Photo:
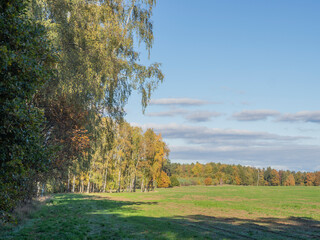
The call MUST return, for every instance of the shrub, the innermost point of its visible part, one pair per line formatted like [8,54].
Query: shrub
[174,181]
[208,181]
[164,180]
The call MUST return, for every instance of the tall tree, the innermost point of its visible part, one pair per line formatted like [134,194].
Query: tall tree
[274,178]
[26,59]
[98,65]
[317,178]
[310,179]
[197,170]
[289,181]
[137,151]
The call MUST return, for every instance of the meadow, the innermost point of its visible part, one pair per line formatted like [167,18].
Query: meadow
[194,212]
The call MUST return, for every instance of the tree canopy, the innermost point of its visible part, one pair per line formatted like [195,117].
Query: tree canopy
[65,66]
[25,66]
[218,174]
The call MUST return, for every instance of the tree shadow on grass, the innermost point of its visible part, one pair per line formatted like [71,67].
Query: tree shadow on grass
[261,228]
[76,216]
[205,227]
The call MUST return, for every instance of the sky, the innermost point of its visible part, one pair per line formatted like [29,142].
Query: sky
[241,82]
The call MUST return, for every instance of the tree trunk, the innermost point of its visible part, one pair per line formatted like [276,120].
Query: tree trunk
[105,179]
[88,188]
[90,172]
[142,185]
[43,189]
[74,183]
[135,175]
[82,186]
[147,186]
[68,190]
[131,183]
[38,189]
[119,176]
[134,183]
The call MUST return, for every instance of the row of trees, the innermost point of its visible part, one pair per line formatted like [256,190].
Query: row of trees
[121,162]
[217,173]
[65,65]
[67,69]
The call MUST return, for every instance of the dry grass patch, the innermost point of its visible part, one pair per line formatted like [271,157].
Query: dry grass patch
[22,212]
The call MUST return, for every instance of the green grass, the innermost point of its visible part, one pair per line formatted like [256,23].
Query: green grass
[195,212]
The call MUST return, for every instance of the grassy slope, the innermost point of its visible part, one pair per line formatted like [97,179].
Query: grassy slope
[181,213]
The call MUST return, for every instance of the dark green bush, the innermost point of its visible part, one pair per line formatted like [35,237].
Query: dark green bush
[25,63]
[174,181]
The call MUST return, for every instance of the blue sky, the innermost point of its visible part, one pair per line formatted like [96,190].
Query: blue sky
[241,82]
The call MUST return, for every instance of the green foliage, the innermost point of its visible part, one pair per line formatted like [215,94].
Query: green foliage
[57,100]
[98,69]
[174,181]
[26,59]
[189,181]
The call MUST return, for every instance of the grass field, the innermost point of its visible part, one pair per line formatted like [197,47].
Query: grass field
[196,212]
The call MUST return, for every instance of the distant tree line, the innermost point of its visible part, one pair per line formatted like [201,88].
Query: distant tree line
[218,174]
[65,68]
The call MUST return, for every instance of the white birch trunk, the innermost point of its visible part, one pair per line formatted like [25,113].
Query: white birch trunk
[105,178]
[119,176]
[68,190]
[74,183]
[82,186]
[142,181]
[88,187]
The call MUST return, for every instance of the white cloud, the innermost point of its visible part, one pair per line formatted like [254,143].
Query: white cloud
[192,116]
[303,116]
[201,116]
[254,115]
[233,146]
[179,101]
[204,135]
[170,113]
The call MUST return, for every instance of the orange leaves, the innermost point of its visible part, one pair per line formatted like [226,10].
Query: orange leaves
[80,140]
[310,178]
[208,181]
[163,180]
[275,178]
[290,181]
[237,180]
